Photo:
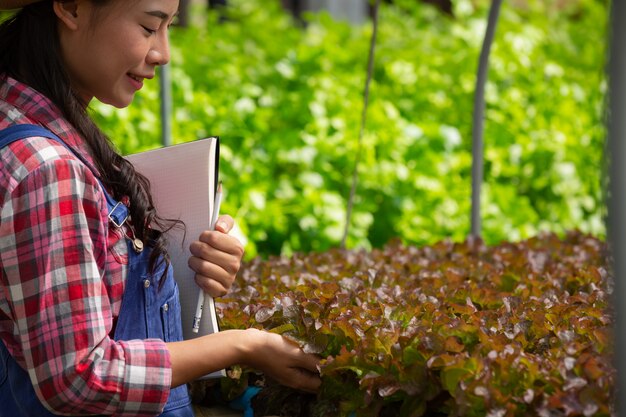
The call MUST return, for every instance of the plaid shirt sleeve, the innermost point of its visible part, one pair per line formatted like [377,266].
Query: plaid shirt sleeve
[52,251]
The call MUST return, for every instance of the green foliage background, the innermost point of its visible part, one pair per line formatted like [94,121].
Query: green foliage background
[286,103]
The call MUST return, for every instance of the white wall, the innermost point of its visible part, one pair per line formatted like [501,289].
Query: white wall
[354,11]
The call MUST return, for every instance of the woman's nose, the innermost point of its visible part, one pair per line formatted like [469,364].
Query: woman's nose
[159,54]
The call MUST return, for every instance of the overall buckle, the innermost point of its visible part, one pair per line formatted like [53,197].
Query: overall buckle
[118,215]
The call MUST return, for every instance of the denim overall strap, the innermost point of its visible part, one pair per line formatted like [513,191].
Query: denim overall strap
[150,309]
[118,213]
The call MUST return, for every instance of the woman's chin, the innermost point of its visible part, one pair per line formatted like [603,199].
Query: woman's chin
[118,102]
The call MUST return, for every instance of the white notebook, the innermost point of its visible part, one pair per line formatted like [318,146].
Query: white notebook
[183,180]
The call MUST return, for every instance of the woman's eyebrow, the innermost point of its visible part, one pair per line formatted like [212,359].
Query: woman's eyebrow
[161,15]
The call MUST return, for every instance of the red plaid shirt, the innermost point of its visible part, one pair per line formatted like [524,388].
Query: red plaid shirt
[62,275]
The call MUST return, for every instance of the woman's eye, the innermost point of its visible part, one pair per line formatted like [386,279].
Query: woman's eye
[148,30]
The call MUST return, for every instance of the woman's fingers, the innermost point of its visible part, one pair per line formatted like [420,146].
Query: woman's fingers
[230,260]
[305,380]
[216,258]
[212,278]
[224,223]
[304,374]
[310,363]
[284,361]
[306,361]
[215,239]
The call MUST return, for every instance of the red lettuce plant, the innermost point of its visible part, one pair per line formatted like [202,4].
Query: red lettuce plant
[451,329]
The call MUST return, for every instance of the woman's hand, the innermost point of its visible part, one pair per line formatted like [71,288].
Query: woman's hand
[216,258]
[282,359]
[275,356]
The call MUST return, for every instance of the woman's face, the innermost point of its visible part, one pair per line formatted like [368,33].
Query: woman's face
[109,50]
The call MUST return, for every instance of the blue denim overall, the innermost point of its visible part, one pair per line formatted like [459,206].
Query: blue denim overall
[150,309]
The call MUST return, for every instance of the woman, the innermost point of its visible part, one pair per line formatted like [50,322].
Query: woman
[82,328]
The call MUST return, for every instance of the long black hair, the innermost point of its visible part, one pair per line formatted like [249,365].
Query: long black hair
[30,52]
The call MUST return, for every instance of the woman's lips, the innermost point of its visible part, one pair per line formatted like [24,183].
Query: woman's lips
[135,81]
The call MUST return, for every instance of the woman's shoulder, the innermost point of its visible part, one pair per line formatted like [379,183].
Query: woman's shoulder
[38,155]
[32,151]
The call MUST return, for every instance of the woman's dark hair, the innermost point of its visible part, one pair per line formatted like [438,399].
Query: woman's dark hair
[30,52]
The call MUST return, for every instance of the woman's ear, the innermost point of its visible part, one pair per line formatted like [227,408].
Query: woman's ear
[67,13]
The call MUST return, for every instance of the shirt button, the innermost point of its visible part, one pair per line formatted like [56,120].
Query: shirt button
[146,283]
[166,307]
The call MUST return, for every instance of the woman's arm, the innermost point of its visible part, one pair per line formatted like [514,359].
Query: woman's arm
[53,296]
[216,258]
[268,352]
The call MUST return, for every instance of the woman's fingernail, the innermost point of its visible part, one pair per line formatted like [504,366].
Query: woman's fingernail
[222,226]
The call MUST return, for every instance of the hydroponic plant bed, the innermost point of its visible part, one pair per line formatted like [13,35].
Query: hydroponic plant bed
[458,329]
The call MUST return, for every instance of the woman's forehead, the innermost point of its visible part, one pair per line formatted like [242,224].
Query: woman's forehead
[168,7]
[164,9]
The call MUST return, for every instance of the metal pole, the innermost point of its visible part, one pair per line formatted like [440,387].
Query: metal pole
[478,117]
[616,152]
[166,105]
[183,13]
[366,95]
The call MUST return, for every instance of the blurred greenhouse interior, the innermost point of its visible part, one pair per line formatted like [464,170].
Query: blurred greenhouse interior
[285,96]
